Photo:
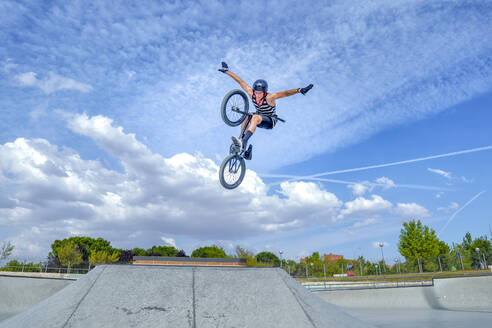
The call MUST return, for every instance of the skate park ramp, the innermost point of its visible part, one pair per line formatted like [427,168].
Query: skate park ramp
[157,296]
[18,293]
[451,302]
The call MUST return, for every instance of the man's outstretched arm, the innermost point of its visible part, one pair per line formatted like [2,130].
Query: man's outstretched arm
[244,85]
[291,92]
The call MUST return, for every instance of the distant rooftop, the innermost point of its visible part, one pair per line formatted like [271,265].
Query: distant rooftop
[188,261]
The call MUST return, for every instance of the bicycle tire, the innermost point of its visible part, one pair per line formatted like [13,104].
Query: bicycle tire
[230,118]
[237,162]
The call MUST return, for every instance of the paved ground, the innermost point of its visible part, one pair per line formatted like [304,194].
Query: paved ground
[452,302]
[149,296]
[19,292]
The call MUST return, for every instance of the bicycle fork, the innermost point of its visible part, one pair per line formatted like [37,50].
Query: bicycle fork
[243,130]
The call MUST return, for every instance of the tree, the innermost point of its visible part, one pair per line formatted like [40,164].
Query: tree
[85,245]
[6,250]
[242,253]
[181,253]
[17,266]
[471,257]
[125,256]
[420,245]
[102,257]
[209,252]
[162,251]
[139,251]
[315,265]
[267,257]
[69,254]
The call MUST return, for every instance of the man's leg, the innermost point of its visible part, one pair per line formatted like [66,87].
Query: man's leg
[241,143]
[255,121]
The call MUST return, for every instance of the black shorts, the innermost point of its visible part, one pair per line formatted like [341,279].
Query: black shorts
[266,122]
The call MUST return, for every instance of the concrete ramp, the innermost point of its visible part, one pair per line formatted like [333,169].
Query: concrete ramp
[151,296]
[450,303]
[18,293]
[451,294]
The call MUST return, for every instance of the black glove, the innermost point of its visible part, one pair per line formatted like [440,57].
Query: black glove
[306,89]
[224,68]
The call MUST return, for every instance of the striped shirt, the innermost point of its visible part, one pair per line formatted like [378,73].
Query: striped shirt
[265,109]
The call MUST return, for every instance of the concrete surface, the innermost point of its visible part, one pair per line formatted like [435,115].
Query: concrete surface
[18,292]
[148,296]
[457,294]
[452,302]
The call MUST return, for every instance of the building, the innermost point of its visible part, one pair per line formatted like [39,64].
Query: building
[333,257]
[329,258]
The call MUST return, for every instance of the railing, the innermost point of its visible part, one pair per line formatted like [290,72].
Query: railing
[392,281]
[45,269]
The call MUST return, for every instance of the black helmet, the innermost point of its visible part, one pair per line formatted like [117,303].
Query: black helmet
[260,85]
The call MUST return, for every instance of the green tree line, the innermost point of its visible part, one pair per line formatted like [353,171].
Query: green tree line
[418,244]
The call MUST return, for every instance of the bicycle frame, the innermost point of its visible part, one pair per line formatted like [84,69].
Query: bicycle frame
[251,114]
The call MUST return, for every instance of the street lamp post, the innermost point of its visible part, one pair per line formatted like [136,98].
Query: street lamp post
[280,252]
[480,258]
[461,261]
[381,245]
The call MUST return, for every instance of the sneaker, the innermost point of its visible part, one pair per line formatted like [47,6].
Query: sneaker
[248,154]
[238,143]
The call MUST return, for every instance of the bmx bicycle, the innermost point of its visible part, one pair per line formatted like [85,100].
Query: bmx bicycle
[234,110]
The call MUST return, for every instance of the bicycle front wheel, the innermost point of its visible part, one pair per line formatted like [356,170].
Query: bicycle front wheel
[234,100]
[232,171]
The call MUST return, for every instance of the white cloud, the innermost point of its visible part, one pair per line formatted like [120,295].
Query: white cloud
[364,223]
[53,189]
[361,67]
[445,174]
[362,206]
[52,83]
[385,182]
[411,211]
[453,206]
[8,65]
[359,189]
[169,241]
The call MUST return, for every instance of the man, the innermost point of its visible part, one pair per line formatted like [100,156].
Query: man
[265,104]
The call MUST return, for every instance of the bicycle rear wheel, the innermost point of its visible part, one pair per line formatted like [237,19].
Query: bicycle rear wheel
[232,171]
[235,99]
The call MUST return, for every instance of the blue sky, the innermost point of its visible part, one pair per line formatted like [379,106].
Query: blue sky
[110,124]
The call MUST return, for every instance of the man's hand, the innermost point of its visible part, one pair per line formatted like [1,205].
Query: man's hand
[224,68]
[306,89]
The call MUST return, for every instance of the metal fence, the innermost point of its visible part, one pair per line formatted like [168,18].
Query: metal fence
[453,262]
[386,281]
[45,269]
